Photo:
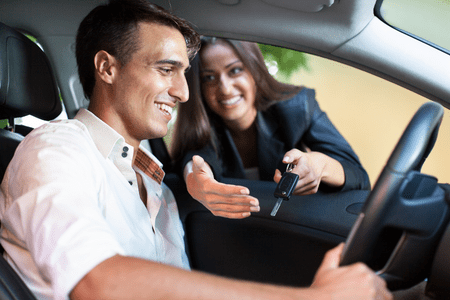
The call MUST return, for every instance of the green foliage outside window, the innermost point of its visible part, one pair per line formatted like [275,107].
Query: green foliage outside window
[32,38]
[282,62]
[3,123]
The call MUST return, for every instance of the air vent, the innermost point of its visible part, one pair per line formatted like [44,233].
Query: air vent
[302,5]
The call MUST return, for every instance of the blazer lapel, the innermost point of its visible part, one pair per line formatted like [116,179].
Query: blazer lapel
[269,147]
[237,168]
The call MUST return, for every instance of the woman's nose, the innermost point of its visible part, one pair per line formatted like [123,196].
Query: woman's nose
[226,85]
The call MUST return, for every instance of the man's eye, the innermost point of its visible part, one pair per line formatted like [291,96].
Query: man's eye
[167,71]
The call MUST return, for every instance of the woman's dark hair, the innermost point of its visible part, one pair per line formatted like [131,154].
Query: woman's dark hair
[193,126]
[113,28]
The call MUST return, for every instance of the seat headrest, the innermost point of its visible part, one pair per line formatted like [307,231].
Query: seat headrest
[27,84]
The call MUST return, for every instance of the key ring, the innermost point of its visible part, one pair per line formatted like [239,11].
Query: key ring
[290,167]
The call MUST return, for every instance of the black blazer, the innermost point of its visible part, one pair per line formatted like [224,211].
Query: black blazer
[283,126]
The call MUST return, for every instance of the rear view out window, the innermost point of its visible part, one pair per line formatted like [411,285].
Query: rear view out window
[427,20]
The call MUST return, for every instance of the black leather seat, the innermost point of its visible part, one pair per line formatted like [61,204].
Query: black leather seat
[27,87]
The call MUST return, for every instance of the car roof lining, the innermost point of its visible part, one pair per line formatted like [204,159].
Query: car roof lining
[329,31]
[343,32]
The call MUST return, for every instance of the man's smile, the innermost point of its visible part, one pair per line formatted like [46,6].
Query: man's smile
[166,109]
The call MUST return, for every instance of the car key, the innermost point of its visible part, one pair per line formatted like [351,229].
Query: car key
[285,187]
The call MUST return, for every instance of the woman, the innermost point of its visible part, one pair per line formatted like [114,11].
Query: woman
[245,124]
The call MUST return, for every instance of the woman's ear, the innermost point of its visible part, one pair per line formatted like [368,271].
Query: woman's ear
[105,66]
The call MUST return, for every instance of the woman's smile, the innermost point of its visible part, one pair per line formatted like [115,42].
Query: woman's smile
[232,101]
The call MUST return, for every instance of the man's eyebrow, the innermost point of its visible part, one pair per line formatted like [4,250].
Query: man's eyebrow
[175,63]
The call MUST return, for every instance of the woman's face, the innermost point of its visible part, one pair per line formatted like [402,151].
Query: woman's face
[228,87]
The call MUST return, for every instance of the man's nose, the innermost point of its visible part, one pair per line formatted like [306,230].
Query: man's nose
[180,88]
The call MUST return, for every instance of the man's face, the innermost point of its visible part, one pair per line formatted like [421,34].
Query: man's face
[149,85]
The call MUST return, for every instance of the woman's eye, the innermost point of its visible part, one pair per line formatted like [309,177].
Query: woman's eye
[207,78]
[236,70]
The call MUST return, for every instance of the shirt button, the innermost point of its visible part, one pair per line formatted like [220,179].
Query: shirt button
[125,150]
[130,182]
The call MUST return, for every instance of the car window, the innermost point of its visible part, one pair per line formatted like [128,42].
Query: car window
[370,112]
[425,19]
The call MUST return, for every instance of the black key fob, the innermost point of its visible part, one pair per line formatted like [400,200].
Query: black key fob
[286,185]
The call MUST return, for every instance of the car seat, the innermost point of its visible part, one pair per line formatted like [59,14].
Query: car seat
[27,87]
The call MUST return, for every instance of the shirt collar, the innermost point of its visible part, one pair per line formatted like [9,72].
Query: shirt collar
[108,141]
[105,138]
[149,164]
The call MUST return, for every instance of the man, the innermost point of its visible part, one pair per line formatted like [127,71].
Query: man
[91,217]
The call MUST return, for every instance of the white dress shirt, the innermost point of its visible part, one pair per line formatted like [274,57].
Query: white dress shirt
[69,200]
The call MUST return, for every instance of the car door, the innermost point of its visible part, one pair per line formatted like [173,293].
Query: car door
[284,249]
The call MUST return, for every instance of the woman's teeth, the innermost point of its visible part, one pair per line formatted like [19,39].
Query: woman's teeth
[165,108]
[231,101]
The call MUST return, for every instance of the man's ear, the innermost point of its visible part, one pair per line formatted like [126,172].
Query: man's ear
[106,66]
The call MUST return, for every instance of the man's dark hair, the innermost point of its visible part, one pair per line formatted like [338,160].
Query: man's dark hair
[113,28]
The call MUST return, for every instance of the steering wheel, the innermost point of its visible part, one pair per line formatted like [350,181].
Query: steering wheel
[403,217]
